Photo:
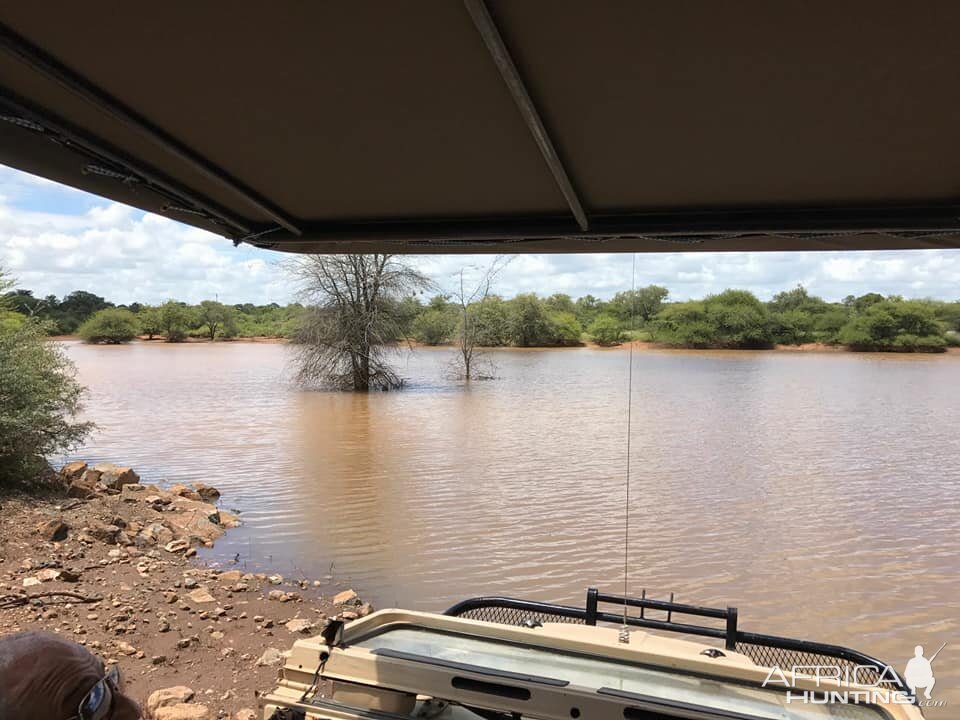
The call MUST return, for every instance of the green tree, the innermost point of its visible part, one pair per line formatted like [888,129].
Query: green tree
[176,319]
[39,400]
[75,308]
[433,326]
[893,325]
[587,308]
[731,319]
[110,326]
[605,330]
[219,319]
[151,321]
[560,303]
[530,324]
[637,307]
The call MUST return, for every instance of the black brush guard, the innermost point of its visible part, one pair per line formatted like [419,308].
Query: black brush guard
[765,650]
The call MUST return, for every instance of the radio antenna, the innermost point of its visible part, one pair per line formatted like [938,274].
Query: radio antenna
[624,632]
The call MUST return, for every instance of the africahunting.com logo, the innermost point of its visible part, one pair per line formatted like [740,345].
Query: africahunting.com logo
[853,684]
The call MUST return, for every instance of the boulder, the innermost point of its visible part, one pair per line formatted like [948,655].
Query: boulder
[271,656]
[104,533]
[185,492]
[300,625]
[183,712]
[73,471]
[230,577]
[48,574]
[206,492]
[176,546]
[116,476]
[53,530]
[245,714]
[91,477]
[201,595]
[167,697]
[347,597]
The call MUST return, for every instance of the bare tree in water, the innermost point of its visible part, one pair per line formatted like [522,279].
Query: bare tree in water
[353,316]
[472,299]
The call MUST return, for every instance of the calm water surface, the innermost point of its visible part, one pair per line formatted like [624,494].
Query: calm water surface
[817,492]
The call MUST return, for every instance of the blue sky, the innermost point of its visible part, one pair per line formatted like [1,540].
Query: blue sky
[54,239]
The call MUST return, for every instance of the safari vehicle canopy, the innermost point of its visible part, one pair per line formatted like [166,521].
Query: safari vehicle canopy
[473,126]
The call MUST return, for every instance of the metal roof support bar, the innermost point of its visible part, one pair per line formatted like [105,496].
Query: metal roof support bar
[501,56]
[49,122]
[80,86]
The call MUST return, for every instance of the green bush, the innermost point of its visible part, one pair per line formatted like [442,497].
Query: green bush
[605,330]
[732,319]
[565,329]
[176,320]
[434,327]
[894,325]
[110,326]
[39,399]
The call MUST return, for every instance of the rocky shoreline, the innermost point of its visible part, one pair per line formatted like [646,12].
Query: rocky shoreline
[110,563]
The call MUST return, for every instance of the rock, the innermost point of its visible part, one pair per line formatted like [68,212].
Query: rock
[347,597]
[70,576]
[271,656]
[31,582]
[206,492]
[229,520]
[245,714]
[91,477]
[156,500]
[126,648]
[229,577]
[104,533]
[364,609]
[53,530]
[300,625]
[349,615]
[281,596]
[189,582]
[81,490]
[184,492]
[201,595]
[275,579]
[158,660]
[183,712]
[178,545]
[167,697]
[48,574]
[73,471]
[156,533]
[115,476]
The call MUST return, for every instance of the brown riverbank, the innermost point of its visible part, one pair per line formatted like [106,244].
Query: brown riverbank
[114,569]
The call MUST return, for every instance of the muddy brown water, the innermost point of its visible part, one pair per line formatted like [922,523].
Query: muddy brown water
[816,492]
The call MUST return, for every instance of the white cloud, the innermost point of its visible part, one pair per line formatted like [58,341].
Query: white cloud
[55,240]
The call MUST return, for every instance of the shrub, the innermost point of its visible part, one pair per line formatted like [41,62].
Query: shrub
[434,327]
[111,326]
[605,330]
[565,329]
[176,319]
[39,399]
[895,325]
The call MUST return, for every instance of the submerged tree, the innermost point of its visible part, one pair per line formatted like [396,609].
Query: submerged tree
[472,303]
[355,313]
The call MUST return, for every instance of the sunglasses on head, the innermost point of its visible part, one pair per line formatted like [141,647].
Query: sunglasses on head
[96,704]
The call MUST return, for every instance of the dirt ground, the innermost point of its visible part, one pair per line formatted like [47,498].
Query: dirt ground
[112,568]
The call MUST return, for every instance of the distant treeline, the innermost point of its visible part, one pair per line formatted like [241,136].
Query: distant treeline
[732,319]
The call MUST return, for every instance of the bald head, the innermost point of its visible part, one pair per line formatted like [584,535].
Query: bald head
[45,676]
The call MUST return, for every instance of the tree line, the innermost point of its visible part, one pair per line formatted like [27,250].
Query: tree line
[732,319]
[97,320]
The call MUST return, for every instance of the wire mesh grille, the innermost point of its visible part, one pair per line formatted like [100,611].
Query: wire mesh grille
[787,660]
[512,616]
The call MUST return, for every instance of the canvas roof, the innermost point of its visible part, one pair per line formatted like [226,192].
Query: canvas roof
[500,126]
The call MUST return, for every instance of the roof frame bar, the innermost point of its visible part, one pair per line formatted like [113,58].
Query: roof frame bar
[99,149]
[485,24]
[80,86]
